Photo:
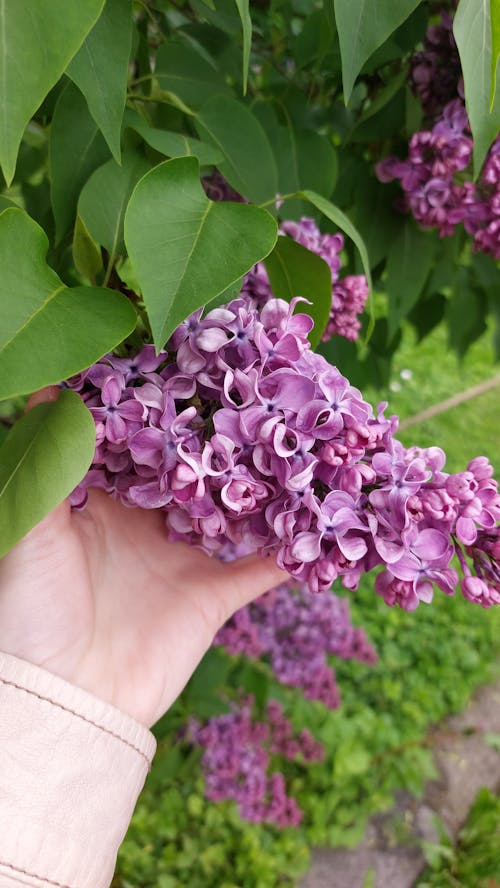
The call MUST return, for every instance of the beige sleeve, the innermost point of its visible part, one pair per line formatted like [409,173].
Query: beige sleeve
[71,769]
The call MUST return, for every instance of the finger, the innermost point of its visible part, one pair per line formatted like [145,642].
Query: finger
[247,578]
[42,396]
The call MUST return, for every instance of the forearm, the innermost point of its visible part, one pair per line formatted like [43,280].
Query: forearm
[71,769]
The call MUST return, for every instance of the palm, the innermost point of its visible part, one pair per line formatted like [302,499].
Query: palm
[100,598]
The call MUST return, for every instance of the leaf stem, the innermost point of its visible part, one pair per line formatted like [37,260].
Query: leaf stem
[109,268]
[278,197]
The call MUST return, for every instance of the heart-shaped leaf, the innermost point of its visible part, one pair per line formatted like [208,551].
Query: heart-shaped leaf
[42,459]
[48,331]
[38,41]
[185,248]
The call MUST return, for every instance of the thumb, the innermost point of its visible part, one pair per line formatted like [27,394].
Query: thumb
[42,396]
[247,578]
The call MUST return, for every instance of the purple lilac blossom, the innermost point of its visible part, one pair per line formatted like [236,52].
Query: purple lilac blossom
[296,630]
[436,178]
[437,184]
[242,434]
[435,72]
[236,757]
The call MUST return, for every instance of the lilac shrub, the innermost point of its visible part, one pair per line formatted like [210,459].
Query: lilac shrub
[297,630]
[240,433]
[236,758]
[436,177]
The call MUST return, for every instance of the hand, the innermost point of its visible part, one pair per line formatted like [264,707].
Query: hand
[102,599]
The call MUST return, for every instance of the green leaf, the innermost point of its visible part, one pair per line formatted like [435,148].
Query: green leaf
[304,158]
[246,24]
[48,331]
[86,253]
[344,223]
[104,218]
[172,144]
[495,47]
[466,313]
[227,295]
[381,100]
[184,72]
[100,69]
[209,675]
[76,149]
[374,216]
[6,203]
[248,164]
[363,25]
[295,271]
[37,42]
[409,263]
[45,455]
[185,248]
[329,10]
[472,30]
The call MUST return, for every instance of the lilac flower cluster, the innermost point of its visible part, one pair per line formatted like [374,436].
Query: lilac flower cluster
[349,294]
[241,433]
[297,629]
[436,179]
[435,73]
[236,758]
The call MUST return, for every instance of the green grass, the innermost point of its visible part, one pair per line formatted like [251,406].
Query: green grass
[474,860]
[472,428]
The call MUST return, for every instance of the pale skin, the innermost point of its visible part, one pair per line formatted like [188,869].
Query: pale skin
[103,600]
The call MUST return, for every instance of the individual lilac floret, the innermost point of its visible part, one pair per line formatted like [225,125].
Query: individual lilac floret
[236,757]
[296,630]
[242,434]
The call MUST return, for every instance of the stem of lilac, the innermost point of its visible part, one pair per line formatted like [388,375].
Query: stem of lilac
[280,197]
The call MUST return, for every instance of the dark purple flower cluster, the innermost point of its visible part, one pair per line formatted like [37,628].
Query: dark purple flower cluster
[435,73]
[436,179]
[349,294]
[236,758]
[242,434]
[297,629]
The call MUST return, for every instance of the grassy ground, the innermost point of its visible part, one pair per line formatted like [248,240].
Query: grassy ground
[427,374]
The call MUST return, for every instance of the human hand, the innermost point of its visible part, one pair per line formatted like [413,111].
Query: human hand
[102,599]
